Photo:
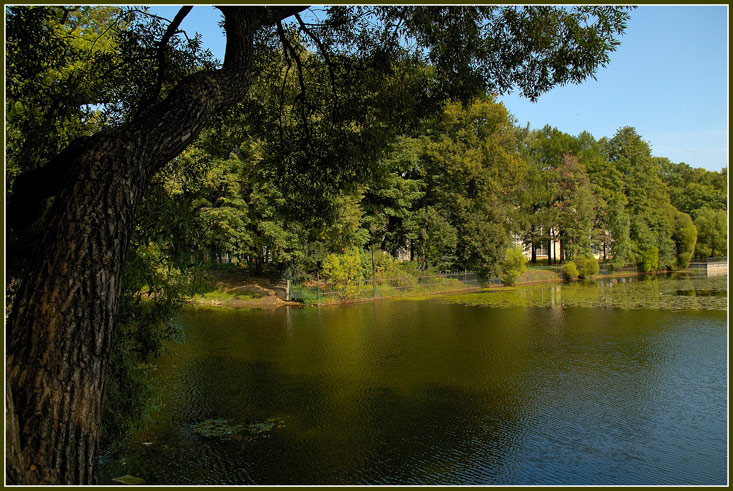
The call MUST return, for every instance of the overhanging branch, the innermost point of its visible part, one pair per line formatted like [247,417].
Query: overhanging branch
[162,65]
[291,53]
[322,50]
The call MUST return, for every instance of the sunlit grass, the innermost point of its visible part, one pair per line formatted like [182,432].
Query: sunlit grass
[224,295]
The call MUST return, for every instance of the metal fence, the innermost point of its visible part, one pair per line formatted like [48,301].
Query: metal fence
[323,293]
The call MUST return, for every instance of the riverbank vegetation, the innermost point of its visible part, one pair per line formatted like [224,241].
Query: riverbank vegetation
[135,160]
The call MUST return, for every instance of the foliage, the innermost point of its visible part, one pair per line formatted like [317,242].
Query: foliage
[513,265]
[569,270]
[618,242]
[691,189]
[344,271]
[587,267]
[647,200]
[71,73]
[685,236]
[433,238]
[574,202]
[711,228]
[471,173]
[648,260]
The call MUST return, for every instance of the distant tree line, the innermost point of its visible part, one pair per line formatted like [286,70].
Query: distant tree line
[454,194]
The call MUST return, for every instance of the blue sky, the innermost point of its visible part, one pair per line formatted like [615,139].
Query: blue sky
[668,79]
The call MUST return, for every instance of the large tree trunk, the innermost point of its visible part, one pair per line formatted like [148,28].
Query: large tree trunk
[61,324]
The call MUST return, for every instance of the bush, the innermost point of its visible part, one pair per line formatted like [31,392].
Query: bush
[513,265]
[344,271]
[648,260]
[569,271]
[587,267]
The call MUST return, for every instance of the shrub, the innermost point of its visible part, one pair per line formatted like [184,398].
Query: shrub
[513,265]
[569,271]
[587,267]
[648,260]
[344,271]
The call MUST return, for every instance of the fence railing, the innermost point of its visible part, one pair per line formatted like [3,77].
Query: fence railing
[710,260]
[323,293]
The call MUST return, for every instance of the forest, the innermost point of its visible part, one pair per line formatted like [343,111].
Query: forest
[332,155]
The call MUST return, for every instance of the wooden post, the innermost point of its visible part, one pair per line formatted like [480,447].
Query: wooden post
[318,281]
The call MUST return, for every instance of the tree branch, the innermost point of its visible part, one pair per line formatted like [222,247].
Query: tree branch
[32,188]
[291,53]
[169,33]
[67,11]
[323,51]
[282,97]
[274,15]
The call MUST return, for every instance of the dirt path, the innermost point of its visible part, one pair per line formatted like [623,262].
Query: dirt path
[262,295]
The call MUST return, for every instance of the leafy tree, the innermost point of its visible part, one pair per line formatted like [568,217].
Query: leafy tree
[76,267]
[392,196]
[691,189]
[685,236]
[617,244]
[433,239]
[346,231]
[480,249]
[472,175]
[574,202]
[222,207]
[651,215]
[544,150]
[711,228]
[610,228]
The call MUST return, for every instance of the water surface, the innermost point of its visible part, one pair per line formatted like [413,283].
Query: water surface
[562,385]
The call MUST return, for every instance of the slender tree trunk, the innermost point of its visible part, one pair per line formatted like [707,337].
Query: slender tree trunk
[60,330]
[562,250]
[534,253]
[604,252]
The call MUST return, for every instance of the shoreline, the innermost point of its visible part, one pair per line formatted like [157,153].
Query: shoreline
[270,301]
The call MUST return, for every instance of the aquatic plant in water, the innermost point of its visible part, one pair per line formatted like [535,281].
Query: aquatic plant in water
[680,293]
[223,429]
[217,428]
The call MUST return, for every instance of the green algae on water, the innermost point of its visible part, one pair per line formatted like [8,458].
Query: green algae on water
[676,293]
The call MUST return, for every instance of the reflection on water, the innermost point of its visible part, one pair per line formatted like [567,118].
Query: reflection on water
[440,392]
[680,292]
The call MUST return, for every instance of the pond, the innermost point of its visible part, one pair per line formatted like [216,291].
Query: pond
[618,382]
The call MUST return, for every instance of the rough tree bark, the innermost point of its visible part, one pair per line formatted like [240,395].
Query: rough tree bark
[61,325]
